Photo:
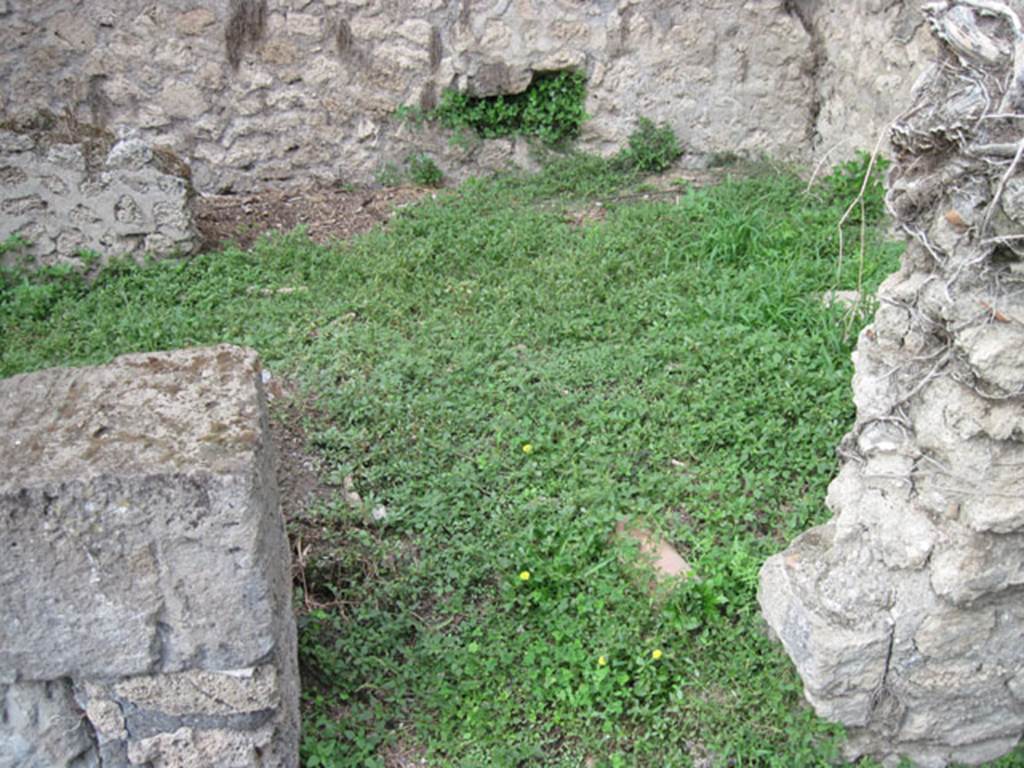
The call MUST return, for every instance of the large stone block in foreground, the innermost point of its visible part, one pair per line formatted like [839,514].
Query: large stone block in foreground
[145,581]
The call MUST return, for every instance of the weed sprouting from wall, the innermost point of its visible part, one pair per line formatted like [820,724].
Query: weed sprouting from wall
[652,148]
[246,24]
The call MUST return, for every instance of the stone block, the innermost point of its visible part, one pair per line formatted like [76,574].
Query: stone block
[182,100]
[64,193]
[194,22]
[302,25]
[145,556]
[41,727]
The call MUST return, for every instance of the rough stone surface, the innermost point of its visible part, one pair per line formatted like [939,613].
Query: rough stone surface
[145,583]
[308,90]
[859,94]
[904,614]
[41,727]
[69,191]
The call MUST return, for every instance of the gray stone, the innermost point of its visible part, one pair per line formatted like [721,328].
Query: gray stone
[194,22]
[495,78]
[194,748]
[22,206]
[303,24]
[146,562]
[11,176]
[903,613]
[53,184]
[127,497]
[182,100]
[132,154]
[254,689]
[64,198]
[66,156]
[41,727]
[11,141]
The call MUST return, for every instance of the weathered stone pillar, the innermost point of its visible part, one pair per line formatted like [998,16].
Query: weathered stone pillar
[145,591]
[905,613]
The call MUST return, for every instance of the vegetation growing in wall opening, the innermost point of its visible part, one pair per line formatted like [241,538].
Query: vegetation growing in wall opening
[551,108]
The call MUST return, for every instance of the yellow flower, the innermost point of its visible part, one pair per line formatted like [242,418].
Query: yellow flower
[602,661]
[524,575]
[656,654]
[527,448]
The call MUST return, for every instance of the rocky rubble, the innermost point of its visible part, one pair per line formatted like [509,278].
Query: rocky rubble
[904,613]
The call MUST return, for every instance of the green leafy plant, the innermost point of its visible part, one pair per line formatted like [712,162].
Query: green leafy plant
[411,115]
[844,184]
[32,294]
[424,171]
[551,108]
[651,148]
[12,244]
[390,175]
[418,168]
[632,355]
[724,159]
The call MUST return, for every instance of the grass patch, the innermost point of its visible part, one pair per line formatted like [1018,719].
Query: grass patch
[671,362]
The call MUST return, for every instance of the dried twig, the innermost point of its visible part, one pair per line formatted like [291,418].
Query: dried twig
[858,201]
[821,164]
[1002,186]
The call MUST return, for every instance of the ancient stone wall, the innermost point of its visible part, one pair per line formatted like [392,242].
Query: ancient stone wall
[867,55]
[258,92]
[145,585]
[65,189]
[904,614]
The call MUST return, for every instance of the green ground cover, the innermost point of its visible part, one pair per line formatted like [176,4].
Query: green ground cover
[671,362]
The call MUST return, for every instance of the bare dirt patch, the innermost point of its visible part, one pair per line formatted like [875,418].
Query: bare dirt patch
[328,214]
[299,469]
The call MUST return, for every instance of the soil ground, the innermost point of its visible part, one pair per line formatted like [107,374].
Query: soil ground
[331,214]
[328,214]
